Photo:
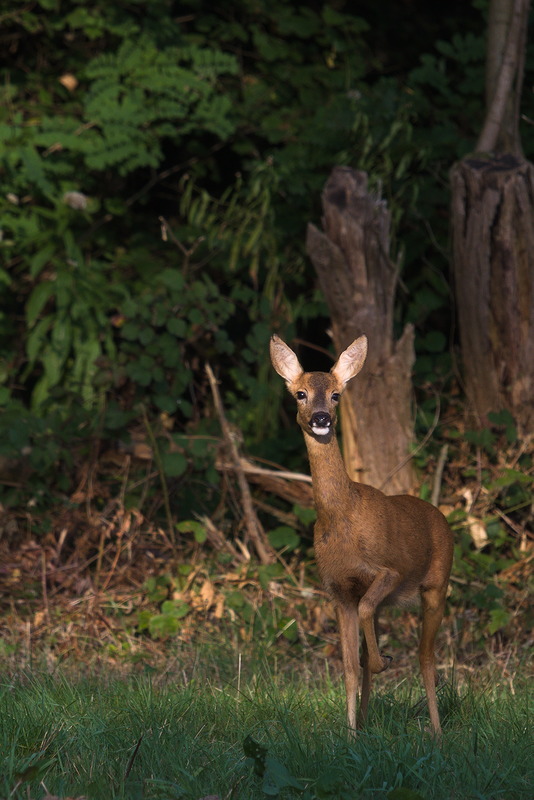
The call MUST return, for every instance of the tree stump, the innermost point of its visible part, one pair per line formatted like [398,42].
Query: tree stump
[358,280]
[493,258]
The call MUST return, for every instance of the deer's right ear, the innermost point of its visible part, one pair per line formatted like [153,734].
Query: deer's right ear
[284,360]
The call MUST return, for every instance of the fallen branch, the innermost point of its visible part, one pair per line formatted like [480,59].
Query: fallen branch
[252,469]
[295,487]
[255,531]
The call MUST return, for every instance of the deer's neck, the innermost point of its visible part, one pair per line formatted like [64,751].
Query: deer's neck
[329,477]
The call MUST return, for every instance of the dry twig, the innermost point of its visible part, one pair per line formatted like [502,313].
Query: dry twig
[255,530]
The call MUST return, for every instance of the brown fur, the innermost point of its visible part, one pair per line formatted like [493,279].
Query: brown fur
[372,549]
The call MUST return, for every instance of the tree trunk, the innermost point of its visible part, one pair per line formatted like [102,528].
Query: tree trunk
[493,236]
[505,61]
[358,281]
[493,256]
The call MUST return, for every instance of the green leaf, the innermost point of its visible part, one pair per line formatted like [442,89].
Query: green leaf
[165,403]
[172,279]
[510,477]
[174,464]
[501,417]
[193,526]
[177,326]
[38,337]
[483,438]
[305,515]
[115,418]
[162,625]
[176,608]
[52,364]
[434,342]
[41,258]
[143,619]
[139,373]
[257,753]
[157,588]
[130,331]
[277,777]
[146,335]
[38,299]
[284,537]
[270,572]
[196,317]
[499,618]
[235,600]
[35,171]
[505,419]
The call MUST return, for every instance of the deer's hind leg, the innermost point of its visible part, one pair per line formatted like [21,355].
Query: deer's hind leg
[433,603]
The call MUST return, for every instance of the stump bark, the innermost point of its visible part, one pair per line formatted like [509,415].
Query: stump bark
[358,280]
[493,258]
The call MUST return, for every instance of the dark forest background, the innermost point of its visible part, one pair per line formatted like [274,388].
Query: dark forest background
[159,164]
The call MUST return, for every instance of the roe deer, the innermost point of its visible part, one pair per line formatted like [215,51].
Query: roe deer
[371,549]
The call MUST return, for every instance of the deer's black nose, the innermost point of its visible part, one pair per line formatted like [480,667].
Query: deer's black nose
[321,420]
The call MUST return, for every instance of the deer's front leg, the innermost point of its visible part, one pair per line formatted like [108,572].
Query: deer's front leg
[366,678]
[347,617]
[385,582]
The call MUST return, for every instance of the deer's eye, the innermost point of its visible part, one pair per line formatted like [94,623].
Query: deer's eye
[301,395]
[336,397]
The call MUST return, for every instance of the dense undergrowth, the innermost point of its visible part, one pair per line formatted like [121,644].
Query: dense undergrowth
[104,574]
[158,175]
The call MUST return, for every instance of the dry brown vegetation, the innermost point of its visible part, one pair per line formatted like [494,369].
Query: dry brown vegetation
[90,588]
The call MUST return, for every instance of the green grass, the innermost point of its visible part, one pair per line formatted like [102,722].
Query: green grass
[105,737]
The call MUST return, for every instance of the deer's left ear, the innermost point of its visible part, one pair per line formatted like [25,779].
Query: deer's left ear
[351,360]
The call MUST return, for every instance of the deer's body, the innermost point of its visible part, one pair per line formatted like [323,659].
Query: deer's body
[371,549]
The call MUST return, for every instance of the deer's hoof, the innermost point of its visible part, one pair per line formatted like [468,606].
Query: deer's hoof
[382,664]
[386,661]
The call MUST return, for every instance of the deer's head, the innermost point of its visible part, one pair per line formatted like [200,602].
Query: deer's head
[317,393]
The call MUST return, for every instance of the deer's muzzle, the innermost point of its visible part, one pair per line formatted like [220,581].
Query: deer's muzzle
[321,423]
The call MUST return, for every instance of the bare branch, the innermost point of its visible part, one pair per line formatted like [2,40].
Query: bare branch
[254,528]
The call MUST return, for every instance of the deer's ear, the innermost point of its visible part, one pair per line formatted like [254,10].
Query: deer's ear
[351,360]
[284,360]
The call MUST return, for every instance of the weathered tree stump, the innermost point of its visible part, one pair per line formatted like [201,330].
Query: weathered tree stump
[493,257]
[358,280]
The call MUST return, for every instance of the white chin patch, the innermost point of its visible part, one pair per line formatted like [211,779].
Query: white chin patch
[320,431]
